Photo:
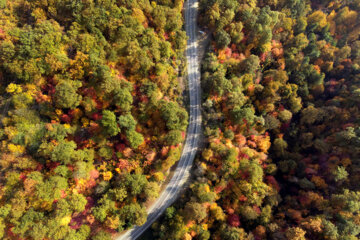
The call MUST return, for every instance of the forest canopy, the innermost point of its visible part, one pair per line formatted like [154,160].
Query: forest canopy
[91,111]
[281,82]
[92,118]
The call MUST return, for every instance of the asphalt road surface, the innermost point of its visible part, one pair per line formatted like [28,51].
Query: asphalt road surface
[182,172]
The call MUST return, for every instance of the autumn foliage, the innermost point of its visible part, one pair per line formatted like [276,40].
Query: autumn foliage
[280,109]
[89,98]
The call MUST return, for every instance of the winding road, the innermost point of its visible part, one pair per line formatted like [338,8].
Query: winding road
[182,172]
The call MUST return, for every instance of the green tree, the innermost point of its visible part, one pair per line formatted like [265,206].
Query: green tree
[243,114]
[123,98]
[173,137]
[280,146]
[236,32]
[106,152]
[271,122]
[295,104]
[109,123]
[66,96]
[250,64]
[176,118]
[285,115]
[340,174]
[222,39]
[195,211]
[63,208]
[330,229]
[63,152]
[27,221]
[297,44]
[83,233]
[136,183]
[218,82]
[229,134]
[311,115]
[56,231]
[134,214]
[77,202]
[105,207]
[21,100]
[127,121]
[5,210]
[231,163]
[38,231]
[102,235]
[152,190]
[50,189]
[232,233]
[135,139]
[100,213]
[249,213]
[2,4]
[236,98]
[63,171]
[118,194]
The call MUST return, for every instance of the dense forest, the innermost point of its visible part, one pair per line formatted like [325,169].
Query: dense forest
[92,118]
[91,112]
[281,109]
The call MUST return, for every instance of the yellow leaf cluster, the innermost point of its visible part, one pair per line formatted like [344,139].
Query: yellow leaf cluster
[81,181]
[31,89]
[159,176]
[207,188]
[295,233]
[263,143]
[11,132]
[103,166]
[314,224]
[203,165]
[47,206]
[213,206]
[77,113]
[318,17]
[112,222]
[78,65]
[228,143]
[187,236]
[217,212]
[107,175]
[139,15]
[85,122]
[65,220]
[58,112]
[205,226]
[13,88]
[222,55]
[266,47]
[17,149]
[39,14]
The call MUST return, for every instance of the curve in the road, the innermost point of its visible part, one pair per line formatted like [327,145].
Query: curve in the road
[182,172]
